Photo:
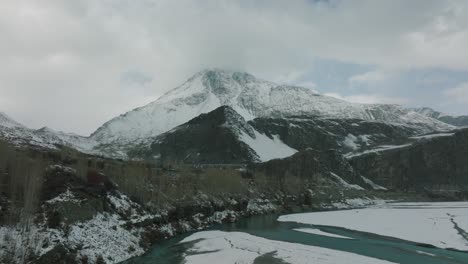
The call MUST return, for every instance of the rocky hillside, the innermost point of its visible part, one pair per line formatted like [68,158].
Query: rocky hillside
[435,164]
[221,136]
[61,206]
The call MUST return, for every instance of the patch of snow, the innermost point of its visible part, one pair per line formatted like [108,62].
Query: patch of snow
[220,216]
[319,232]
[350,141]
[259,206]
[105,236]
[365,139]
[354,203]
[66,196]
[429,136]
[373,185]
[62,168]
[345,184]
[376,150]
[267,148]
[125,206]
[168,230]
[17,244]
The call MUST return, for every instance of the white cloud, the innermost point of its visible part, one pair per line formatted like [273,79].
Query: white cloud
[369,98]
[369,77]
[63,60]
[458,94]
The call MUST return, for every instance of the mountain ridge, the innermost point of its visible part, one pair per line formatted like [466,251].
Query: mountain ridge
[250,97]
[455,120]
[207,90]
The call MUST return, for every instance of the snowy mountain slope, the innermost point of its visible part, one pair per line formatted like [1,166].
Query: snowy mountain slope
[83,144]
[220,136]
[6,121]
[459,121]
[45,137]
[251,98]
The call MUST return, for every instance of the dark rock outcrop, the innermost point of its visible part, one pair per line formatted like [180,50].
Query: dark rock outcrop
[311,166]
[211,138]
[437,165]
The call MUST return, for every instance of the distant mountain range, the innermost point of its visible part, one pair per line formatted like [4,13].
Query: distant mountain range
[258,120]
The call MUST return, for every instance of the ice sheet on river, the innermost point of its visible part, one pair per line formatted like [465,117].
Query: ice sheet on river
[443,225]
[236,247]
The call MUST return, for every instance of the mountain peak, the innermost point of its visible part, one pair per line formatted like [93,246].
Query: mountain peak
[223,84]
[223,73]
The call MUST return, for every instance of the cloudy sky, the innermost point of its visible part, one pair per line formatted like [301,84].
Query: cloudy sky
[72,65]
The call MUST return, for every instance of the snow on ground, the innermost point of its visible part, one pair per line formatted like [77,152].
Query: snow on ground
[350,141]
[345,184]
[16,244]
[354,203]
[429,223]
[267,148]
[104,235]
[433,136]
[236,247]
[356,142]
[319,232]
[260,206]
[66,196]
[373,184]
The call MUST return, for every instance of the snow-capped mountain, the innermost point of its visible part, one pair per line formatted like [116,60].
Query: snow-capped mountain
[44,137]
[206,91]
[459,121]
[251,98]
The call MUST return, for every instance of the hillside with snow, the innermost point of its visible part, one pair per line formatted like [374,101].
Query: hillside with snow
[45,137]
[221,136]
[459,121]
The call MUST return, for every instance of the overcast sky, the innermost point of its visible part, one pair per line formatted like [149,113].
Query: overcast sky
[72,65]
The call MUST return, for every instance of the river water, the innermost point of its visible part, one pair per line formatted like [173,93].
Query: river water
[365,244]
